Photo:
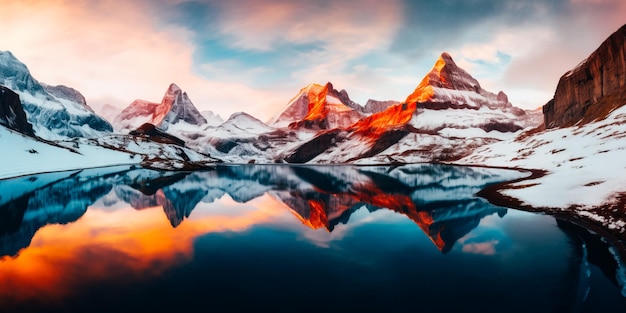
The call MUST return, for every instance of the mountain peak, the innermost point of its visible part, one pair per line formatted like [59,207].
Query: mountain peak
[174,107]
[446,74]
[446,57]
[449,86]
[173,89]
[318,107]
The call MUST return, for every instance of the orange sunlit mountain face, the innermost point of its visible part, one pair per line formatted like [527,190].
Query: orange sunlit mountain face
[400,114]
[424,91]
[394,117]
[317,102]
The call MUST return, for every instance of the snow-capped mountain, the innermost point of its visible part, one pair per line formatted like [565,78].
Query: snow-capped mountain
[107,111]
[56,112]
[242,138]
[449,86]
[175,111]
[447,110]
[212,119]
[318,107]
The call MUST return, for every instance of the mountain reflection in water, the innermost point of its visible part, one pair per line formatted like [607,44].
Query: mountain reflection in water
[439,199]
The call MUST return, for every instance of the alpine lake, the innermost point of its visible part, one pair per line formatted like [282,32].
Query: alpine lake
[287,238]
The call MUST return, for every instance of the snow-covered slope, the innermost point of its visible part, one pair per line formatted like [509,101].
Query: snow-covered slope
[56,112]
[318,107]
[25,155]
[175,108]
[241,125]
[242,138]
[212,119]
[584,163]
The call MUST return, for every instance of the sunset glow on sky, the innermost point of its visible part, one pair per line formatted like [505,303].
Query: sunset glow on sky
[254,56]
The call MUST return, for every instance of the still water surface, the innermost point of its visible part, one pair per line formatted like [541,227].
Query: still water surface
[293,239]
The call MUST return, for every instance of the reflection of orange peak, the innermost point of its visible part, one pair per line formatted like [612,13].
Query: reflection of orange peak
[424,219]
[317,215]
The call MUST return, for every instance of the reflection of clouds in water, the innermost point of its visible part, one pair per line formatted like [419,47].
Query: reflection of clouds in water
[485,248]
[323,238]
[128,242]
[487,239]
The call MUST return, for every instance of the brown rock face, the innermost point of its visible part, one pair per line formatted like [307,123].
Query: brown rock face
[12,113]
[593,89]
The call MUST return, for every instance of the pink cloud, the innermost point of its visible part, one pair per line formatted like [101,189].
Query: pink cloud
[114,51]
[484,248]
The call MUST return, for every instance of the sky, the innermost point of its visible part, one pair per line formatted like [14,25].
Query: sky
[254,56]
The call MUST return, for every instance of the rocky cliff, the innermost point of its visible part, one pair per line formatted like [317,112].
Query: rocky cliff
[12,114]
[150,132]
[592,89]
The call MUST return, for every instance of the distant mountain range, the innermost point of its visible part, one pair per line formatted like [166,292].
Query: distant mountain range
[323,125]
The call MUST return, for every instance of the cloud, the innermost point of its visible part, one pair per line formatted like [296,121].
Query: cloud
[287,45]
[103,48]
[117,52]
[265,25]
[99,248]
[570,38]
[253,56]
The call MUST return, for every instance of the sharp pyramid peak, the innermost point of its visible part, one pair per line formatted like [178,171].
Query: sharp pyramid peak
[446,57]
[173,88]
[447,74]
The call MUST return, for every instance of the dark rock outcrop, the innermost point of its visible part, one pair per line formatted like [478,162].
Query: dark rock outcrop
[592,89]
[12,113]
[150,132]
[312,148]
[375,106]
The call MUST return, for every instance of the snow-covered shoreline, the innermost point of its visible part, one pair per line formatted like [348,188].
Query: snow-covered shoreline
[24,155]
[583,172]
